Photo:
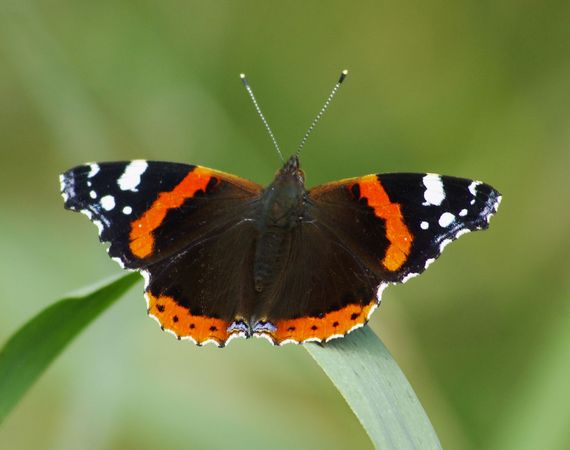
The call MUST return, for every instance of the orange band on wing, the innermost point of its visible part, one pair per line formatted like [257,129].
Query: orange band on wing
[335,323]
[142,240]
[396,230]
[181,322]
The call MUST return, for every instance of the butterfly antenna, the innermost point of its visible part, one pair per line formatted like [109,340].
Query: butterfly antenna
[258,109]
[328,101]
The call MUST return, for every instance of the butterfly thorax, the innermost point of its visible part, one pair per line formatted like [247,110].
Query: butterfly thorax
[282,207]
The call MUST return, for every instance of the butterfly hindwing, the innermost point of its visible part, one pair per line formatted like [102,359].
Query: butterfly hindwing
[205,292]
[323,289]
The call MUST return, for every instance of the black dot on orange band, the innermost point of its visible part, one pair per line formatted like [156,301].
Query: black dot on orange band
[291,329]
[355,189]
[213,328]
[175,319]
[335,324]
[213,181]
[160,308]
[314,327]
[354,316]
[192,326]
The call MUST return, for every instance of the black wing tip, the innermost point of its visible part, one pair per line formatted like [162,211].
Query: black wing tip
[74,184]
[491,198]
[67,189]
[493,203]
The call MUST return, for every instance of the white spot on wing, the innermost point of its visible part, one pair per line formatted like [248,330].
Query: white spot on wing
[66,187]
[424,225]
[463,212]
[444,244]
[127,210]
[462,232]
[434,193]
[88,213]
[211,341]
[380,290]
[108,202]
[355,327]
[147,299]
[446,219]
[264,336]
[288,341]
[118,261]
[131,177]
[336,336]
[146,276]
[93,194]
[408,276]
[494,208]
[93,170]
[187,338]
[311,339]
[156,319]
[374,306]
[498,202]
[99,226]
[168,330]
[236,335]
[473,187]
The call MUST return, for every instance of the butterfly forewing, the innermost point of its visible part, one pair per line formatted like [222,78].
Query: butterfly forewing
[400,223]
[134,205]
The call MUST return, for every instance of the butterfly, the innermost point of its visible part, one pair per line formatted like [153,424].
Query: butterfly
[223,257]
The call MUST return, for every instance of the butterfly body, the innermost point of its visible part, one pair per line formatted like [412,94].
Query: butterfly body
[224,257]
[281,209]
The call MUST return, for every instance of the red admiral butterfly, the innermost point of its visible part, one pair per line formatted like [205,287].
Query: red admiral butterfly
[224,257]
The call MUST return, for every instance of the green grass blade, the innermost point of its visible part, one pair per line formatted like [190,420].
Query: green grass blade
[33,347]
[379,394]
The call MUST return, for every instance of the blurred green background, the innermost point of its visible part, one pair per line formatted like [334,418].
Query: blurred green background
[477,89]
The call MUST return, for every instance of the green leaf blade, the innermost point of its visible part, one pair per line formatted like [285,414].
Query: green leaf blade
[28,353]
[369,379]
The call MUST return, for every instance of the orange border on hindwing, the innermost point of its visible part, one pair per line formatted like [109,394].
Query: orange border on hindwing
[180,321]
[333,324]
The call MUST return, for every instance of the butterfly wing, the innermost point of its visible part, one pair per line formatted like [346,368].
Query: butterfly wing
[324,289]
[174,223]
[404,220]
[362,233]
[148,210]
[205,292]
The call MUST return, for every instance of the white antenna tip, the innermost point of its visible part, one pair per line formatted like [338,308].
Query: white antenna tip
[242,75]
[345,72]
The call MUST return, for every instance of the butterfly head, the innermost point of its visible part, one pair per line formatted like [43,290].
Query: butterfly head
[291,172]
